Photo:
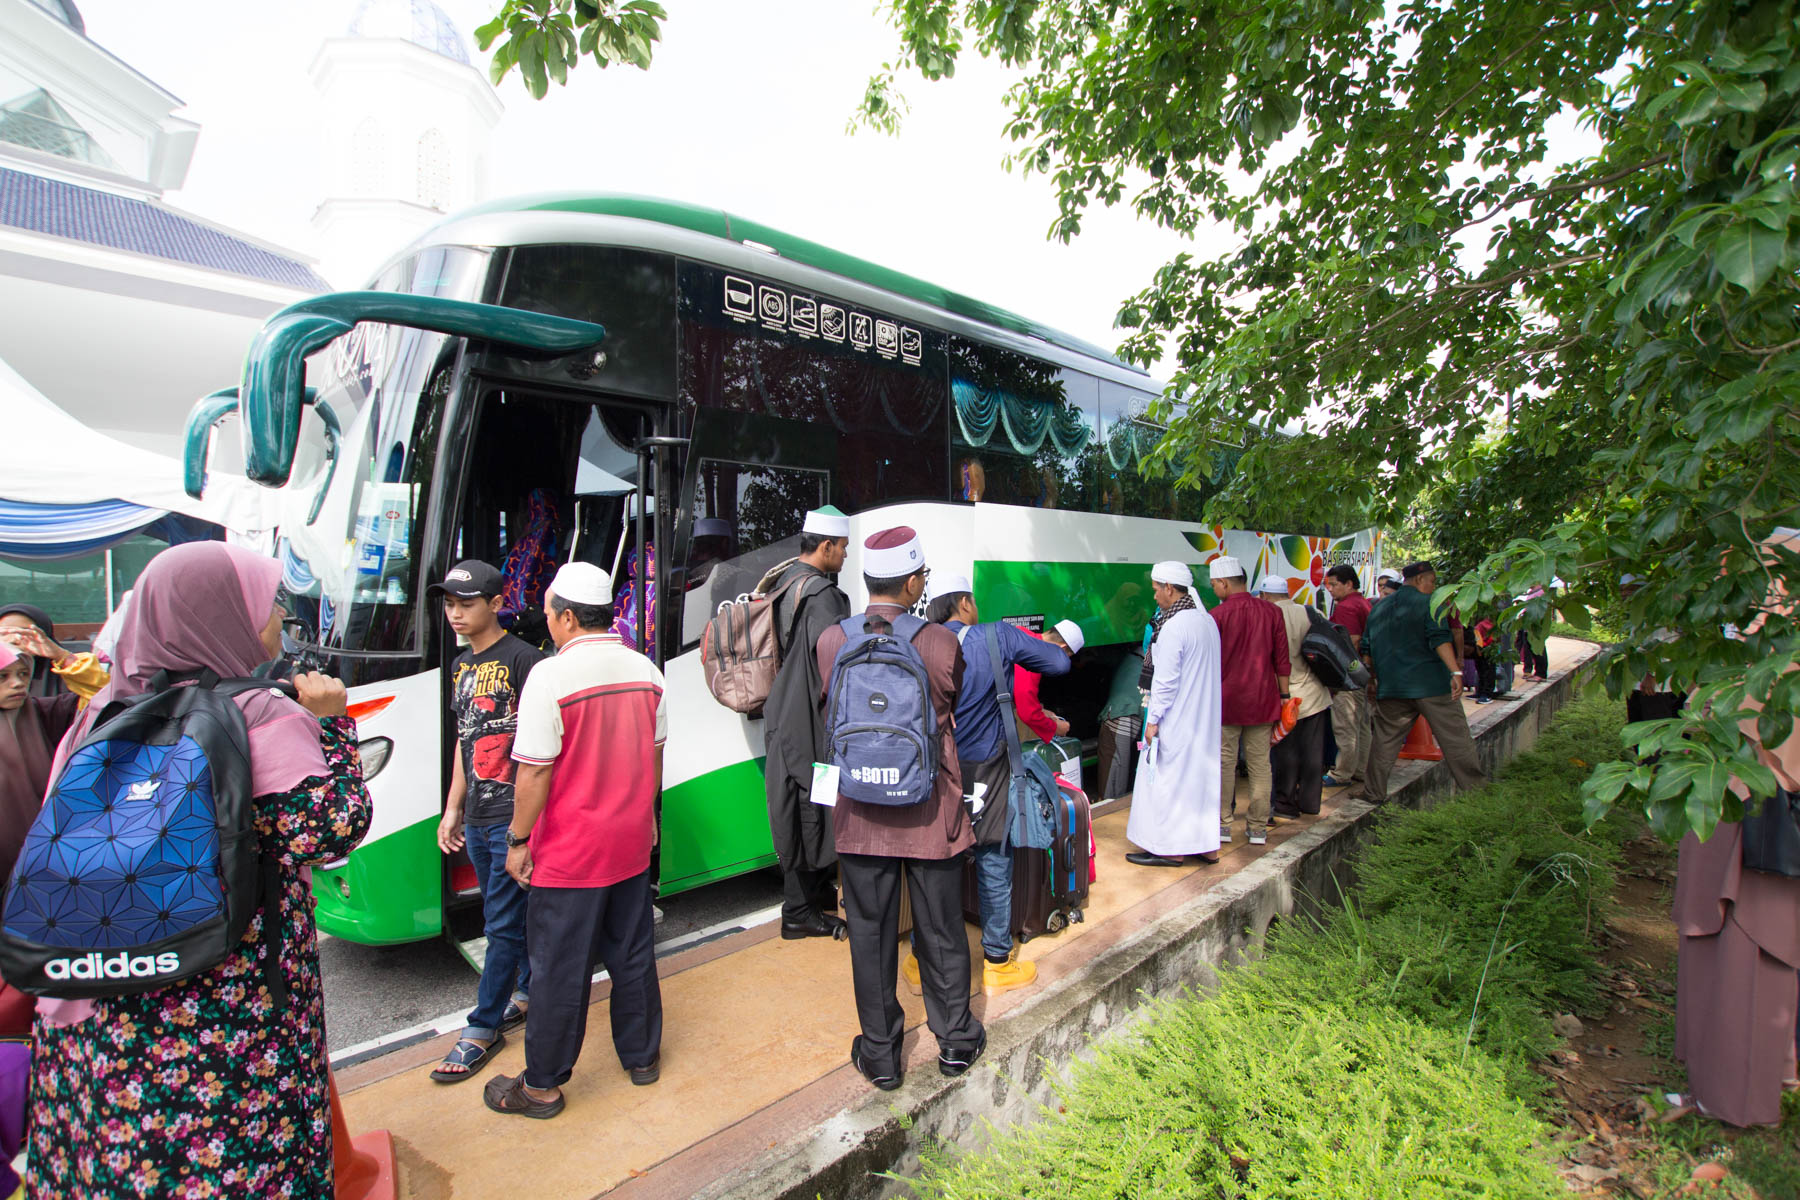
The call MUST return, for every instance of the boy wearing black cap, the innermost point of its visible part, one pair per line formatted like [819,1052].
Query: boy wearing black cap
[485,682]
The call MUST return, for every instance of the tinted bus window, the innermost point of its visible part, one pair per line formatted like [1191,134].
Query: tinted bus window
[753,347]
[631,292]
[1127,436]
[1023,431]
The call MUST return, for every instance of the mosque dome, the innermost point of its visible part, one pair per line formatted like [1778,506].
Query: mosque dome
[417,21]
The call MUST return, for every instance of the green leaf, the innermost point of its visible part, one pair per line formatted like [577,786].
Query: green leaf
[1747,254]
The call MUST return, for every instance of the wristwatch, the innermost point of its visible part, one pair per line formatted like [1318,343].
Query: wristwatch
[514,840]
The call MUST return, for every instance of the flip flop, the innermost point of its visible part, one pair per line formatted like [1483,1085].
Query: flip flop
[512,1017]
[506,1094]
[471,1056]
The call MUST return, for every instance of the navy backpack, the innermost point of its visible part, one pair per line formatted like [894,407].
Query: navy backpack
[882,728]
[144,866]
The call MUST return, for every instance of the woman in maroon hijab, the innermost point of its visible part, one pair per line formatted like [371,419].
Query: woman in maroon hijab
[1737,991]
[207,1087]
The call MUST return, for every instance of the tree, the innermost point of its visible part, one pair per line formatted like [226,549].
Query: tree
[544,38]
[1417,265]
[1413,263]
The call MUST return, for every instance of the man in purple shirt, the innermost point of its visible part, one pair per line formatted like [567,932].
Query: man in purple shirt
[1349,708]
[1253,663]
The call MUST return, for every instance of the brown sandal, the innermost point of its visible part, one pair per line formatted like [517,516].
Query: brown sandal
[506,1094]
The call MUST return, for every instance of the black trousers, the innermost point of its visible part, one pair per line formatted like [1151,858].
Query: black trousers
[1537,656]
[805,891]
[1484,676]
[872,909]
[1298,763]
[567,931]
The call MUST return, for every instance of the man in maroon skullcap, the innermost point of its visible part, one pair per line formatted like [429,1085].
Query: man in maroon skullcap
[900,813]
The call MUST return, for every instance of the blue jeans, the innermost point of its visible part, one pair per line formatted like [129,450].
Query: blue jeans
[506,972]
[993,883]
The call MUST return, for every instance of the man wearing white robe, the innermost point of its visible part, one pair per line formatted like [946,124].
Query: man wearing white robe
[1175,812]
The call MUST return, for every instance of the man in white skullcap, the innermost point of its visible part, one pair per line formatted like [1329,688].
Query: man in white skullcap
[921,837]
[1253,668]
[984,729]
[806,602]
[590,751]
[1175,807]
[1297,763]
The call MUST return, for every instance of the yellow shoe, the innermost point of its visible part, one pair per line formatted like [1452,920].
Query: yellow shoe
[909,971]
[999,977]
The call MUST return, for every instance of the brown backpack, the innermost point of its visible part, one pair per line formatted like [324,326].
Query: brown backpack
[740,650]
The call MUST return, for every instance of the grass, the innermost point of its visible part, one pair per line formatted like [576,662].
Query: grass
[1382,1050]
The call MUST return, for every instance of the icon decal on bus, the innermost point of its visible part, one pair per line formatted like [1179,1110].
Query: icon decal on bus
[860,334]
[740,298]
[773,303]
[831,321]
[803,315]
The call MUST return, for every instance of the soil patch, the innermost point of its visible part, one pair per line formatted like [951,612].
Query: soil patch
[1623,1137]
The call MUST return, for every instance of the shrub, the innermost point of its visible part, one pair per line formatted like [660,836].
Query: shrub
[1384,1049]
[1241,1097]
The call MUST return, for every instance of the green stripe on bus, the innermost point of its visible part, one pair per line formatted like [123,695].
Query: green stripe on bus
[395,889]
[1110,601]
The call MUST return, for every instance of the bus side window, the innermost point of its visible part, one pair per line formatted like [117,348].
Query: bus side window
[747,520]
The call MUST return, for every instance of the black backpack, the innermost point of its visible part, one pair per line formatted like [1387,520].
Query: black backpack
[144,866]
[1327,651]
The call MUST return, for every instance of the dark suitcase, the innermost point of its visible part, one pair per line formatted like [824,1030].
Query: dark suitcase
[1049,887]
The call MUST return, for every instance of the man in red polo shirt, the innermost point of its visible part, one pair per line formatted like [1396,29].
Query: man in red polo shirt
[589,747]
[1253,661]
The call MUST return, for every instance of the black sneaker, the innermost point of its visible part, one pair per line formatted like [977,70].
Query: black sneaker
[886,1082]
[952,1063]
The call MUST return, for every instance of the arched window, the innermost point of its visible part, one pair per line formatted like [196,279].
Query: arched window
[367,159]
[434,170]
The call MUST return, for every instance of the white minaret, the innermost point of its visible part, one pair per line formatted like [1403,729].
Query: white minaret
[406,123]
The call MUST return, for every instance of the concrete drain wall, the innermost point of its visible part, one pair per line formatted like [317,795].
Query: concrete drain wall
[850,1154]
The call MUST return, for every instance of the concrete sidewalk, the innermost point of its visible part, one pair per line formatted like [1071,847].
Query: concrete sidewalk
[757,1034]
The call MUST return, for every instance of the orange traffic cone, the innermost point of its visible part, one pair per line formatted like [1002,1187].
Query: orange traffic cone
[363,1167]
[1420,744]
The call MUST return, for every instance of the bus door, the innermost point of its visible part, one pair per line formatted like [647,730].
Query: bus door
[749,483]
[548,477]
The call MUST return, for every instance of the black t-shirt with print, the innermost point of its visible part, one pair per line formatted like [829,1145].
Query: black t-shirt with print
[484,696]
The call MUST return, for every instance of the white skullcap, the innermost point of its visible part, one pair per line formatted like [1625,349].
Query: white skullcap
[1071,633]
[947,584]
[1176,574]
[827,522]
[892,553]
[1391,575]
[1273,585]
[1224,567]
[582,583]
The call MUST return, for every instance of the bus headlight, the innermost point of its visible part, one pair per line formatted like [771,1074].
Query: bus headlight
[375,754]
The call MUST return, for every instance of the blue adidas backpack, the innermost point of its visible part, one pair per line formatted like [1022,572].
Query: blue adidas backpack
[144,866]
[882,728]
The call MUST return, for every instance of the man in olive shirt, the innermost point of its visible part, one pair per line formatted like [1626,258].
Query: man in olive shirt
[1416,674]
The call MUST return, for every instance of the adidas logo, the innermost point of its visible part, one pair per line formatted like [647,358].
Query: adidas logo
[95,965]
[145,790]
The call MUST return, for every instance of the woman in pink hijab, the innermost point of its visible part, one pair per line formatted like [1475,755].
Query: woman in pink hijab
[207,1087]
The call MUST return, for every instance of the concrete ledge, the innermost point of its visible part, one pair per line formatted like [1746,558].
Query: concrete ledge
[834,1140]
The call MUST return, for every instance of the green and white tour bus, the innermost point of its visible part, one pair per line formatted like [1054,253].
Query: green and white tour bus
[578,376]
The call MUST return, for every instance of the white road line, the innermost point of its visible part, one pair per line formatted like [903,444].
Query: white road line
[453,1022]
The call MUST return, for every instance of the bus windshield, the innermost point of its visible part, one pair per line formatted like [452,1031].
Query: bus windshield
[352,571]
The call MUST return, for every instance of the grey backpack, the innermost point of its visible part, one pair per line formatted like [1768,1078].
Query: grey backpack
[881,727]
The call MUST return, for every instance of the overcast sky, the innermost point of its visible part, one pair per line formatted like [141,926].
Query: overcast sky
[745,109]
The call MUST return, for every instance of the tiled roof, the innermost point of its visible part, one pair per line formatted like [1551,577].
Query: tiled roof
[68,210]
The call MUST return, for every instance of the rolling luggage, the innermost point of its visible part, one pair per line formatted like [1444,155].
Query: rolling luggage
[1050,887]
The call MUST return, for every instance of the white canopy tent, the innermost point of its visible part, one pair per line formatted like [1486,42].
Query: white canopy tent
[50,458]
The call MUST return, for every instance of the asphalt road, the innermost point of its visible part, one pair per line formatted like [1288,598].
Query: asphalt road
[374,991]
